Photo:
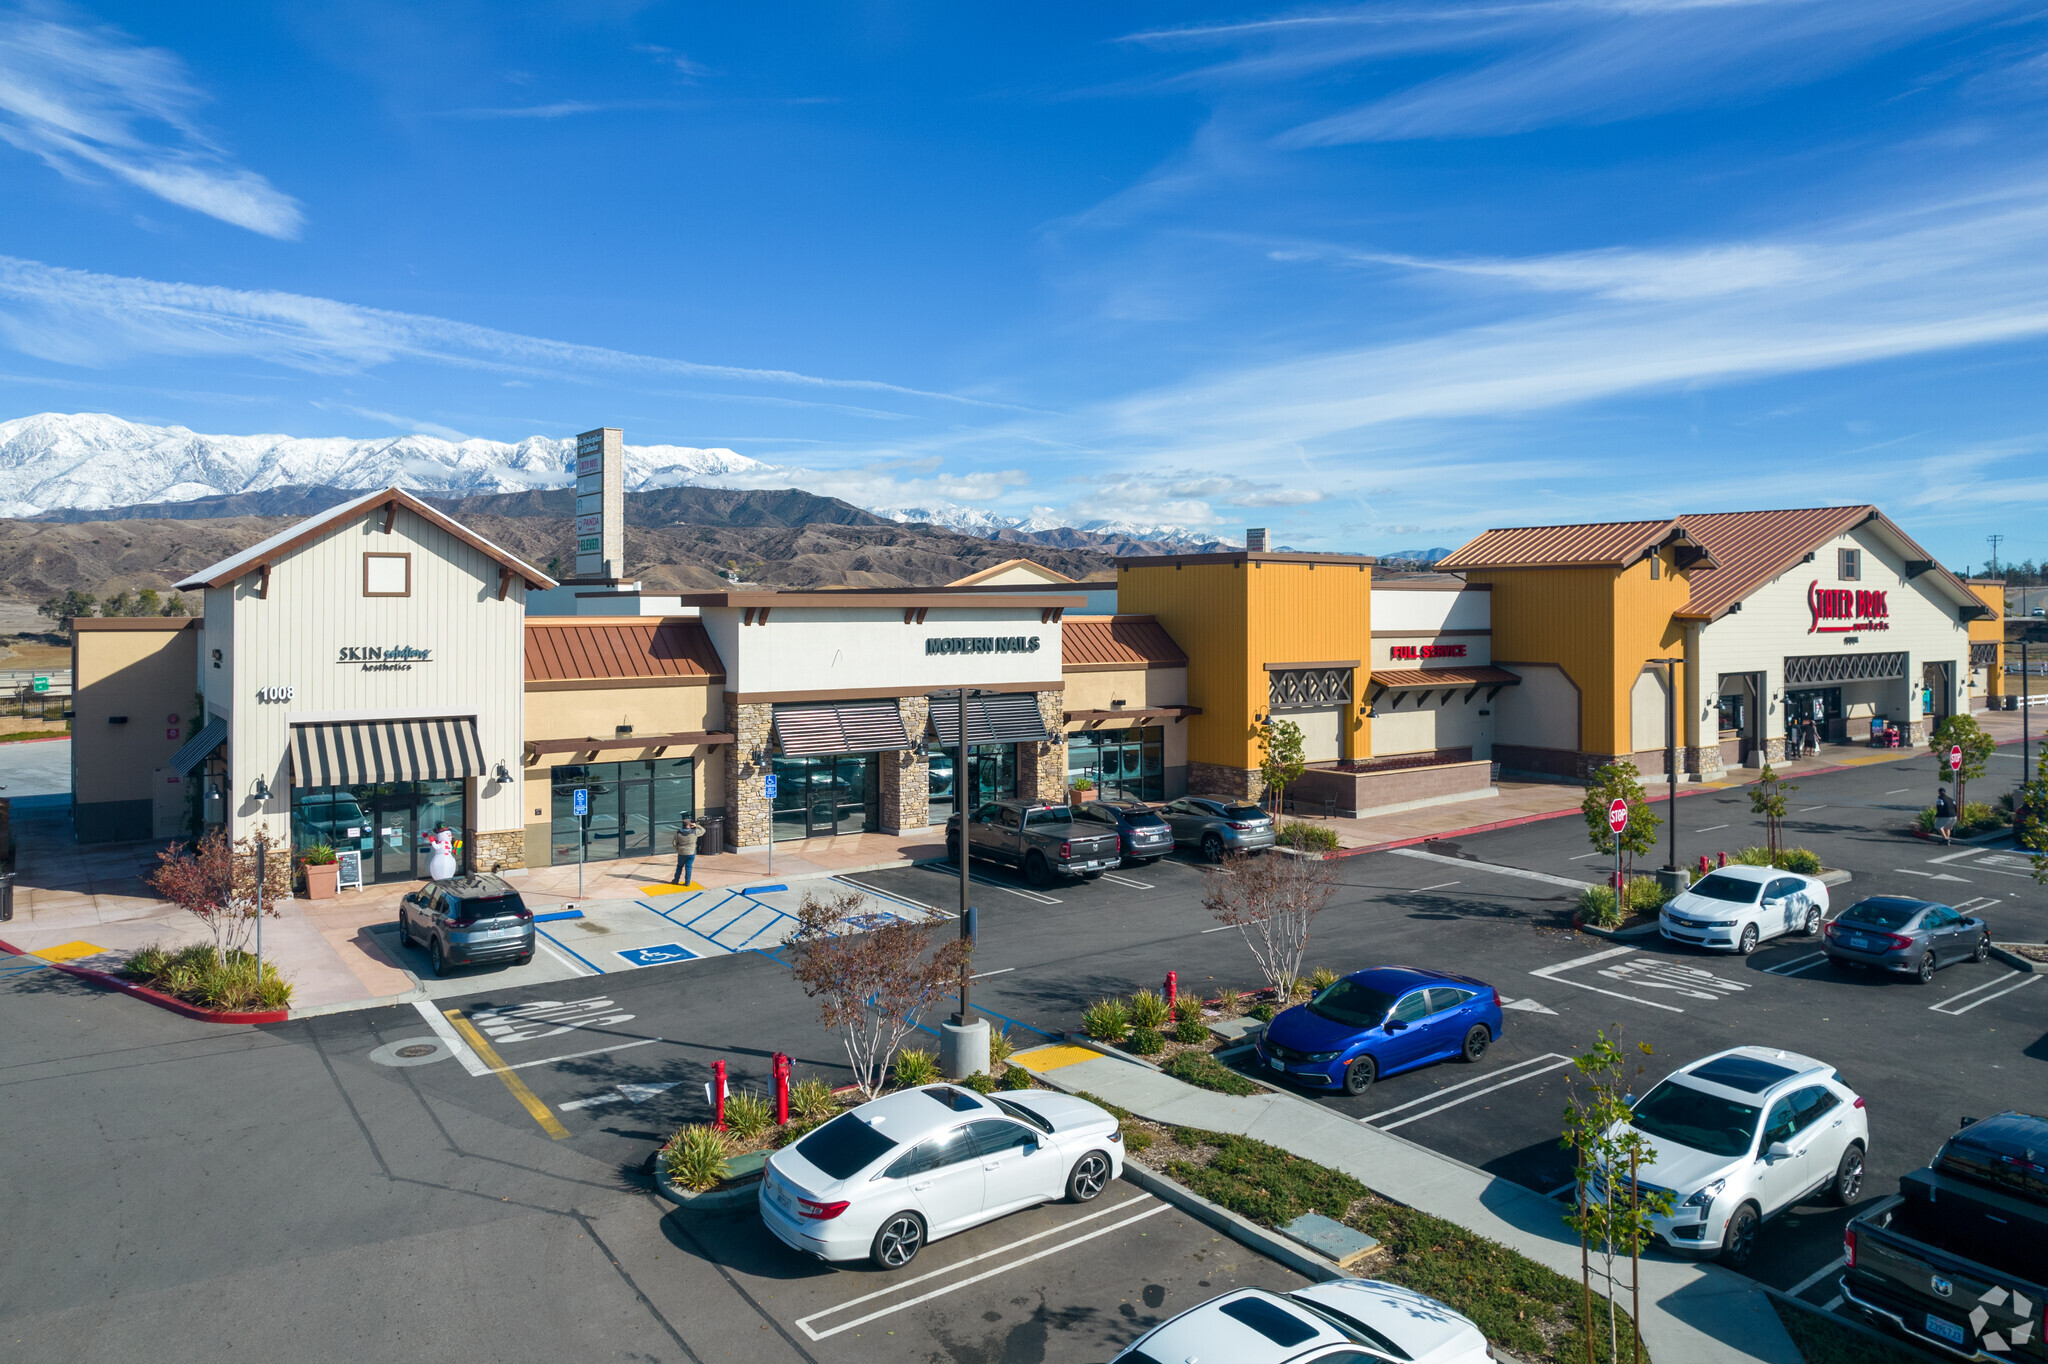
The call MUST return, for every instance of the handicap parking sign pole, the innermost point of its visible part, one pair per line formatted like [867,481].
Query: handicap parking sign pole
[581,809]
[768,791]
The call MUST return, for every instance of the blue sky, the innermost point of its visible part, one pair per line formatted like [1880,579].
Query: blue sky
[1378,276]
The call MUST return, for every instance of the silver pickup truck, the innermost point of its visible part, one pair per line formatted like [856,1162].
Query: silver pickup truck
[1040,839]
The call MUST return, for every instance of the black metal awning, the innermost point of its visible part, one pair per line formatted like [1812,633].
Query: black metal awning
[353,752]
[857,727]
[199,747]
[1007,717]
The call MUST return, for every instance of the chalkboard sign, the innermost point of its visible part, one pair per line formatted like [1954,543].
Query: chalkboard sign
[351,864]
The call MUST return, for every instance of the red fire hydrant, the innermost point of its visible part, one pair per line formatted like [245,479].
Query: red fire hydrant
[718,1094]
[781,1088]
[1172,987]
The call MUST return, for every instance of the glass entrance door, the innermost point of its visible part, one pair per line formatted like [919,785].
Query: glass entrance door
[397,825]
[819,797]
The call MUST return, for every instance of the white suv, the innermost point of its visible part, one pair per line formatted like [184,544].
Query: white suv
[1743,1135]
[1738,907]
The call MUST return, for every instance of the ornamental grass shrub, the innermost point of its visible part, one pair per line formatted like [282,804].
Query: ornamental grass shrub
[915,1067]
[1596,907]
[1228,999]
[747,1114]
[1000,1048]
[1321,979]
[811,1099]
[695,1157]
[195,975]
[1106,1020]
[1976,817]
[1147,1009]
[1644,895]
[1145,1042]
[1803,860]
[1307,837]
[1186,1006]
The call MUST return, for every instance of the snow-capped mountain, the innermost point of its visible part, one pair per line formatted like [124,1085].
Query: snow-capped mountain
[976,521]
[90,459]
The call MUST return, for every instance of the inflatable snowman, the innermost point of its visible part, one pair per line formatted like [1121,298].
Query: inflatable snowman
[441,861]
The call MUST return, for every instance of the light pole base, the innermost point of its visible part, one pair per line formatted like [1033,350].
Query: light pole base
[963,1048]
[1674,879]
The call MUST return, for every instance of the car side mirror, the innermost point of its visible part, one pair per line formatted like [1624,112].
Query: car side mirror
[1395,1025]
[1779,1151]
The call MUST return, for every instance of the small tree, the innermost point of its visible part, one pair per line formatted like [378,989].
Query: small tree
[1770,797]
[1272,901]
[1610,1211]
[2030,818]
[872,975]
[176,606]
[215,882]
[1620,781]
[1281,761]
[67,608]
[1961,731]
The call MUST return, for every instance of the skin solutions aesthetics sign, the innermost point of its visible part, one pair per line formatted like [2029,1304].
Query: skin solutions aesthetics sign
[601,503]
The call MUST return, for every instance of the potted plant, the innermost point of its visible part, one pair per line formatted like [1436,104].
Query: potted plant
[1079,788]
[323,871]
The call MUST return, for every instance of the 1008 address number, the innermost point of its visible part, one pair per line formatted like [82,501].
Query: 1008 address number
[275,693]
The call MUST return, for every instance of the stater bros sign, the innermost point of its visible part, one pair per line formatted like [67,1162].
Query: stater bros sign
[1862,610]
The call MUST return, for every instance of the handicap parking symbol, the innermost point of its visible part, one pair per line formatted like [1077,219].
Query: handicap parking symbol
[658,956]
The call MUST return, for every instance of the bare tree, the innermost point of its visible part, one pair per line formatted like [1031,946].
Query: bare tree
[872,975]
[1273,902]
[215,882]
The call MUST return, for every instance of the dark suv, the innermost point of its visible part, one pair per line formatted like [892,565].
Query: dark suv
[467,921]
[1145,836]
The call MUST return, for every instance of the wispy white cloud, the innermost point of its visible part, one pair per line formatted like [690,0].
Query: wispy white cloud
[88,99]
[568,108]
[412,424]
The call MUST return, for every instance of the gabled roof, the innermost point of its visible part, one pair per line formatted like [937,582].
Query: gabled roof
[1116,643]
[578,648]
[1752,548]
[1032,566]
[1604,544]
[313,527]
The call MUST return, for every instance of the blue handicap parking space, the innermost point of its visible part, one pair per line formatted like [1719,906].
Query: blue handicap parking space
[659,955]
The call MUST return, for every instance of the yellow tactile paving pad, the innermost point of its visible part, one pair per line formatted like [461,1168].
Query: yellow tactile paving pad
[68,951]
[665,889]
[1041,1059]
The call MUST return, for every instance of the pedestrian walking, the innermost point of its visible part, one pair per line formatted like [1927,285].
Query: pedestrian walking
[685,844]
[1944,814]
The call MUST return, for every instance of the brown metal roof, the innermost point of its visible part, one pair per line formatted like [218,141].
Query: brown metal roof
[1400,679]
[1751,548]
[1103,643]
[570,648]
[1601,544]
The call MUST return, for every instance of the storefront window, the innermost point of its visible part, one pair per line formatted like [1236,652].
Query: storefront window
[1127,764]
[822,796]
[634,807]
[995,776]
[387,822]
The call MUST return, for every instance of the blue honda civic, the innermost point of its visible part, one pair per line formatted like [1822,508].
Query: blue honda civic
[1381,1022]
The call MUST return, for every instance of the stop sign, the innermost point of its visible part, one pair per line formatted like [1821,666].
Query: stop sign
[1955,758]
[1617,814]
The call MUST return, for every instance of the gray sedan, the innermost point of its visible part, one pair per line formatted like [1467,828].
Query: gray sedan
[1913,937]
[1218,826]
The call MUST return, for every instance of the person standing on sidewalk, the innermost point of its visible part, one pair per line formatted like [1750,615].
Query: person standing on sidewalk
[685,844]
[1944,814]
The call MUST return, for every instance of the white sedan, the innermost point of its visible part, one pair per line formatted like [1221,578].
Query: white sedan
[880,1180]
[1344,1321]
[1736,908]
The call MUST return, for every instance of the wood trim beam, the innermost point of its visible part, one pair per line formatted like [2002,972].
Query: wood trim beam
[390,516]
[263,582]
[620,683]
[595,744]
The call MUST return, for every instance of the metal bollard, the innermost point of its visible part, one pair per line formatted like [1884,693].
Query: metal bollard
[781,1088]
[1172,987]
[1724,859]
[718,1094]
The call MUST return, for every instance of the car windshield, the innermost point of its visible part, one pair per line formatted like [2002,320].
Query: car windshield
[1243,812]
[1695,1118]
[845,1146]
[1047,816]
[1143,819]
[467,909]
[1734,890]
[1352,1004]
[1021,1112]
[1885,914]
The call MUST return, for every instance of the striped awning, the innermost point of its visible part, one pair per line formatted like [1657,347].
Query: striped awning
[351,752]
[1009,717]
[858,727]
[199,747]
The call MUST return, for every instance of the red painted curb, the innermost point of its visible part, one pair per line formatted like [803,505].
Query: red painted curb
[46,739]
[157,997]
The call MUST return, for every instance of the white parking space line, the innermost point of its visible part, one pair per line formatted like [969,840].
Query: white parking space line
[1817,1275]
[1943,1007]
[999,971]
[1477,1093]
[804,1323]
[1562,1189]
[1832,1303]
[1127,881]
[444,1030]
[1464,865]
[1551,973]
[1443,885]
[574,966]
[1583,856]
[1710,828]
[579,1055]
[1954,856]
[1463,1084]
[1900,792]
[1981,902]
[1804,808]
[1797,964]
[1225,929]
[1012,890]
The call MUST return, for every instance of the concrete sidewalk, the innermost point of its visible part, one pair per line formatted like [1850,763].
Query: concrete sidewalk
[1692,1313]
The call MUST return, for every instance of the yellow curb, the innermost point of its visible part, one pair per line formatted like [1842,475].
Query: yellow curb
[68,951]
[1038,1060]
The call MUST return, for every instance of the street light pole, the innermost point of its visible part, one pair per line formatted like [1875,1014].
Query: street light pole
[960,808]
[1671,754]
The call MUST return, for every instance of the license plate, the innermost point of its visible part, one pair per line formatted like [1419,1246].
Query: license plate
[1948,1331]
[782,1199]
[1277,1065]
[495,935]
[1860,944]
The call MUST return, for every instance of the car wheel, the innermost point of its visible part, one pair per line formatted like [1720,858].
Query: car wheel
[1359,1075]
[404,933]
[1983,952]
[1926,971]
[1738,1243]
[1037,870]
[1212,848]
[1812,924]
[952,850]
[1477,1039]
[437,959]
[1747,943]
[1089,1177]
[1848,1177]
[526,960]
[898,1242]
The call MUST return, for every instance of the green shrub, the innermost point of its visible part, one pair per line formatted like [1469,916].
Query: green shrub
[1802,860]
[1265,1183]
[1016,1077]
[1000,1047]
[747,1114]
[796,1129]
[1645,895]
[811,1099]
[915,1067]
[1227,1000]
[1136,1140]
[1190,1030]
[1186,1006]
[196,976]
[1299,833]
[1145,1042]
[1321,979]
[1204,1071]
[695,1157]
[1106,1020]
[1147,1009]
[147,963]
[981,1082]
[1263,1011]
[1597,907]
[1752,857]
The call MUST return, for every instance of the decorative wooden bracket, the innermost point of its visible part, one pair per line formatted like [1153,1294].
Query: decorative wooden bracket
[390,516]
[263,582]
[504,581]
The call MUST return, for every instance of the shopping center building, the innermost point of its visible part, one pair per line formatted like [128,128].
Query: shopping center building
[375,673]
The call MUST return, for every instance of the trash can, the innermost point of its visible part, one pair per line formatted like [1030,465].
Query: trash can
[6,896]
[713,841]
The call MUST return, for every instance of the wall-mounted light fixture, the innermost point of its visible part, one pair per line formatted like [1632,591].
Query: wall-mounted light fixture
[622,730]
[501,772]
[261,791]
[759,757]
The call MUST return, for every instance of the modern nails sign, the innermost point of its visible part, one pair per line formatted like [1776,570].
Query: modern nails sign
[1862,610]
[982,644]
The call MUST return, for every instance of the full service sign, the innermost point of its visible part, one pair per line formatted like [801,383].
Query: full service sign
[1426,651]
[1862,610]
[982,644]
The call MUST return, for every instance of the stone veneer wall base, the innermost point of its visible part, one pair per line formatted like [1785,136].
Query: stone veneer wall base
[498,850]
